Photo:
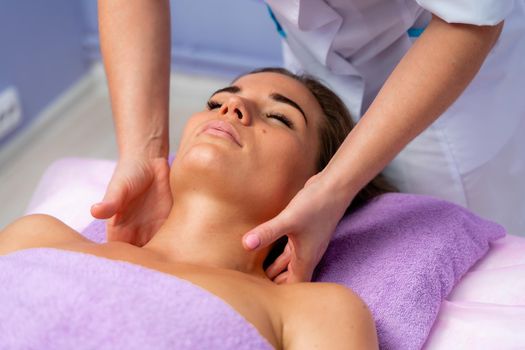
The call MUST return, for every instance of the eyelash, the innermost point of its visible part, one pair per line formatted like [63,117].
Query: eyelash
[212,105]
[282,118]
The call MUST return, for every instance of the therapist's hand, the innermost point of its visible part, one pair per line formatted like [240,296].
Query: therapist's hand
[137,200]
[309,221]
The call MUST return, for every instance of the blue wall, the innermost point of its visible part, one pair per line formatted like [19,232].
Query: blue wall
[224,37]
[41,51]
[230,36]
[45,46]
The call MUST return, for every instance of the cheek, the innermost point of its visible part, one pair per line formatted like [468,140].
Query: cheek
[286,163]
[299,153]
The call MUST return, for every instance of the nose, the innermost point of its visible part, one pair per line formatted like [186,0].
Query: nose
[235,108]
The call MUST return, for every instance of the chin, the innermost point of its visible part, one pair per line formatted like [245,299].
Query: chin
[207,166]
[206,156]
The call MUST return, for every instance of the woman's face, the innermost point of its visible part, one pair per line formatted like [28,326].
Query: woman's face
[255,142]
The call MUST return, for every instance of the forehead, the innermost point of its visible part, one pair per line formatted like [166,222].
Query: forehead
[266,83]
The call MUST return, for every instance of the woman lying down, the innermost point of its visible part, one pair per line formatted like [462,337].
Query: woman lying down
[240,161]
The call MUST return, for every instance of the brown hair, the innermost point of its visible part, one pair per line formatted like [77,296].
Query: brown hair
[336,125]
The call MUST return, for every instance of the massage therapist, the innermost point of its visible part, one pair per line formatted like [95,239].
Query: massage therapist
[436,88]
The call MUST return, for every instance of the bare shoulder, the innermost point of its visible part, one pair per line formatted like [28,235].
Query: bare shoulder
[36,230]
[326,316]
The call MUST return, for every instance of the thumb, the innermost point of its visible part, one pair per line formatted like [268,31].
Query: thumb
[111,204]
[266,233]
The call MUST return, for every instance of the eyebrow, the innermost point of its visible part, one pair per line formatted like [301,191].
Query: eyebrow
[274,96]
[280,98]
[232,89]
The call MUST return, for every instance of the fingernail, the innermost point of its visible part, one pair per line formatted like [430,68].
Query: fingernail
[252,241]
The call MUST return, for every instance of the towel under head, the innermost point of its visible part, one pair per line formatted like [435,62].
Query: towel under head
[403,254]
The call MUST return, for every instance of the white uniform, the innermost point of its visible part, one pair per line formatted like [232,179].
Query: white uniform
[474,154]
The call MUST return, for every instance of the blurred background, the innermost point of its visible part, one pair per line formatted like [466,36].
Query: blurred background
[53,96]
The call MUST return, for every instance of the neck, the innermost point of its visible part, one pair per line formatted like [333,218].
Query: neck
[205,231]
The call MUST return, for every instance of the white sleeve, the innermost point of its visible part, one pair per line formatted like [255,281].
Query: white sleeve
[477,12]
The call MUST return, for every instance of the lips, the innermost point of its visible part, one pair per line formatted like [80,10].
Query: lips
[222,128]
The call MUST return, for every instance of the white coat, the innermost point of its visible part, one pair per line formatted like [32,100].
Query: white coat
[474,154]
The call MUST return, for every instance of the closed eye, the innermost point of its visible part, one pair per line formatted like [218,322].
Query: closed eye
[282,118]
[213,105]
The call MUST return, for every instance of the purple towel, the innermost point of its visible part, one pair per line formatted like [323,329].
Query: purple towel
[403,254]
[55,299]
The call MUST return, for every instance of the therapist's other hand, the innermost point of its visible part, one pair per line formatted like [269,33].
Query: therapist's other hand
[309,221]
[137,200]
